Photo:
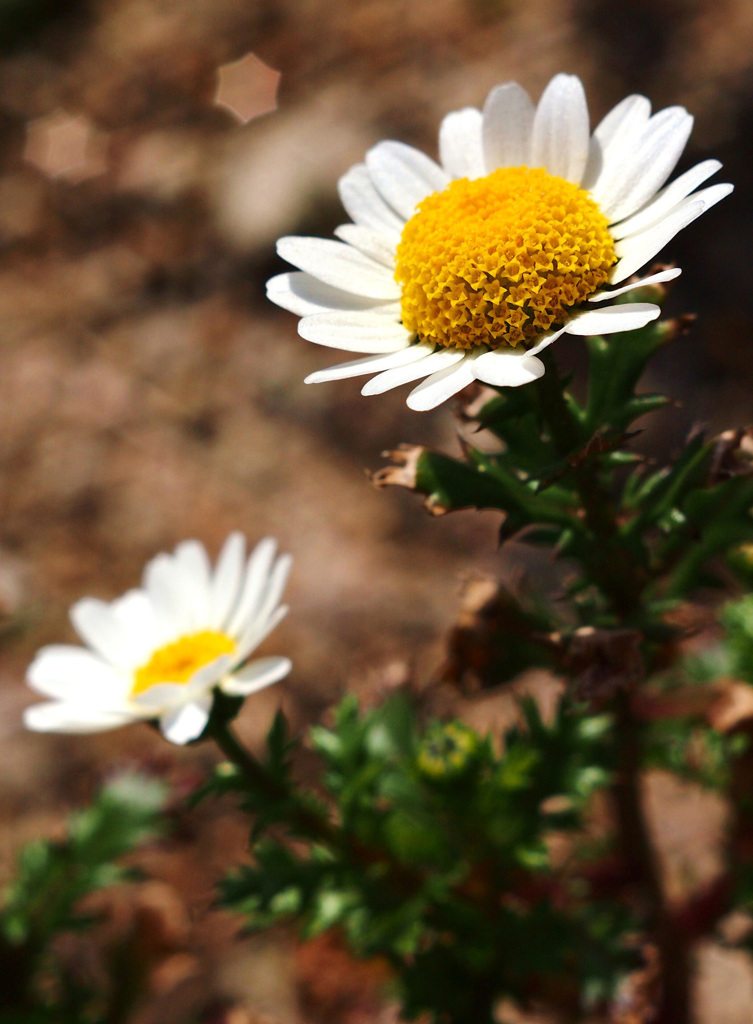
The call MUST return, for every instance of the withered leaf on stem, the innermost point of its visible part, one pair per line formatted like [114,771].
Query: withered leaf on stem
[494,639]
[638,997]
[733,454]
[731,706]
[602,661]
[684,702]
[402,472]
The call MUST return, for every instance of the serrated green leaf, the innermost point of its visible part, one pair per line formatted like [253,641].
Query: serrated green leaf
[484,482]
[616,364]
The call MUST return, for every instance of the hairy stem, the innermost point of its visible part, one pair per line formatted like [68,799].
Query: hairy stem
[311,824]
[307,821]
[609,563]
[613,569]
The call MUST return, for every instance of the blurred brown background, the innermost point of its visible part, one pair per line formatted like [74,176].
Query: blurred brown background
[149,393]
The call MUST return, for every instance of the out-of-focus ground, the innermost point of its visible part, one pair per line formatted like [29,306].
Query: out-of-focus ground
[148,393]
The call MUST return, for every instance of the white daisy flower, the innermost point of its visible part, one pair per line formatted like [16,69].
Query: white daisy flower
[465,270]
[159,652]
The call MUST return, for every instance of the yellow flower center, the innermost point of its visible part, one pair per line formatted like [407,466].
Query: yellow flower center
[177,662]
[502,259]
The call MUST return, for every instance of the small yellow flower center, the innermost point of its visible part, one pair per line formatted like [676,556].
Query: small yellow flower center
[502,259]
[177,662]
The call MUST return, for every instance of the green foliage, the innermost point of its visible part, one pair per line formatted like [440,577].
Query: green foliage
[560,479]
[437,851]
[265,788]
[616,365]
[51,879]
[486,482]
[693,751]
[488,867]
[441,863]
[737,619]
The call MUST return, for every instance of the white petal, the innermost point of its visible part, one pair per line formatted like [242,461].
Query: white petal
[508,123]
[460,145]
[707,197]
[508,369]
[258,631]
[393,378]
[96,624]
[209,675]
[167,694]
[191,556]
[643,170]
[135,613]
[442,385]
[594,164]
[371,364]
[73,718]
[364,204]
[168,587]
[254,585]
[302,294]
[403,175]
[339,265]
[159,697]
[256,676]
[186,723]
[378,247]
[624,119]
[355,332]
[545,341]
[613,141]
[636,251]
[658,278]
[613,319]
[666,200]
[274,589]
[560,137]
[227,580]
[67,672]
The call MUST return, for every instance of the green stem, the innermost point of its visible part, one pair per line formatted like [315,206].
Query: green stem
[612,566]
[608,561]
[307,821]
[674,947]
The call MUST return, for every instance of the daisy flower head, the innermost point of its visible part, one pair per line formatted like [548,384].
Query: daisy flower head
[160,652]
[527,229]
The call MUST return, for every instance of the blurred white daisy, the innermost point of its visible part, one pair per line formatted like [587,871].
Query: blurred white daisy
[466,269]
[159,652]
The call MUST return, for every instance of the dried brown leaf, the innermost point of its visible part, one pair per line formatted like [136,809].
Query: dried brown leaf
[639,994]
[489,618]
[733,454]
[404,469]
[731,706]
[603,661]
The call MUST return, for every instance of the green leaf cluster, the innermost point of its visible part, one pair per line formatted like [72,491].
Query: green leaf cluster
[737,619]
[441,859]
[566,476]
[694,751]
[43,901]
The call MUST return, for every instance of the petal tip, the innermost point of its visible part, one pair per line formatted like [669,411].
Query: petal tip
[416,404]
